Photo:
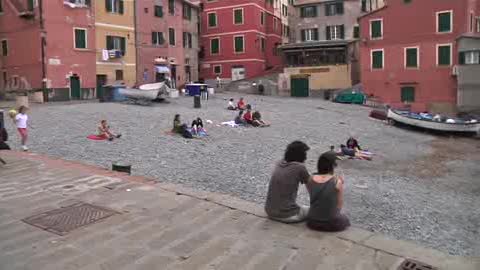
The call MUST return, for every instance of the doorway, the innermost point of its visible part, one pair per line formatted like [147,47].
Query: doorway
[75,87]
[188,75]
[101,81]
[299,87]
[174,76]
[238,73]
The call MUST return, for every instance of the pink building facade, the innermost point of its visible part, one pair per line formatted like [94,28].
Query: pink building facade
[65,38]
[167,36]
[239,39]
[409,52]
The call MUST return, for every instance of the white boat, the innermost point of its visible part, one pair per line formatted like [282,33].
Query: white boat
[463,126]
[137,94]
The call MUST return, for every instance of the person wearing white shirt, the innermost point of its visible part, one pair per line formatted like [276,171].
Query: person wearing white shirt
[21,121]
[231,105]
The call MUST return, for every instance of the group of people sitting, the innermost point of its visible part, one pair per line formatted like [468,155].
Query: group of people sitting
[325,188]
[196,129]
[353,150]
[245,115]
[241,105]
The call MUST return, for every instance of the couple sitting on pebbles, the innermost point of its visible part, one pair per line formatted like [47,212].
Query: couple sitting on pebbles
[248,118]
[325,189]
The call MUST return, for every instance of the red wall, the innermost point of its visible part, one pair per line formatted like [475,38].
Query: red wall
[254,60]
[409,25]
[59,23]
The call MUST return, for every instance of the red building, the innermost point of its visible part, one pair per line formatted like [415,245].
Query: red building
[410,51]
[239,39]
[47,44]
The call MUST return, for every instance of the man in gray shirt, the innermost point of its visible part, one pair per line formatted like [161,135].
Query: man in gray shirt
[281,202]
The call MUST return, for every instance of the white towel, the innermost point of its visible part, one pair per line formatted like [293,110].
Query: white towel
[105,55]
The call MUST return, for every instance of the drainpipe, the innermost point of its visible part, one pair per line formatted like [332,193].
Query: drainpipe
[43,43]
[137,44]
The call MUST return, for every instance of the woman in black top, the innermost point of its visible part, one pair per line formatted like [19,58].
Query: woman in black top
[326,197]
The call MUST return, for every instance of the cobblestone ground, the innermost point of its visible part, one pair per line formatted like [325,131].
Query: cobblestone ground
[418,187]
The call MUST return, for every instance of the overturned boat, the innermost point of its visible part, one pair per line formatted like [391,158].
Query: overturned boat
[428,121]
[147,92]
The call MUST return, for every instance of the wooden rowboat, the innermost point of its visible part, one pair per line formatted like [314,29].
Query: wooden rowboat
[459,126]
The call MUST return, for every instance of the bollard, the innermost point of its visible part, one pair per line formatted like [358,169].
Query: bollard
[196,102]
[121,168]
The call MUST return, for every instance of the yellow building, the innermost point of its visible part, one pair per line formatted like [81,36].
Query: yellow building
[115,41]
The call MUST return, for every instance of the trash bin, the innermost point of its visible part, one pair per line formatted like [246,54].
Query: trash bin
[196,102]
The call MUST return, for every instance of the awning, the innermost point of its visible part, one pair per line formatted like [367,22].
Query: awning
[162,69]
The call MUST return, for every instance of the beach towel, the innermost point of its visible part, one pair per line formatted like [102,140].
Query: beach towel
[94,137]
[230,124]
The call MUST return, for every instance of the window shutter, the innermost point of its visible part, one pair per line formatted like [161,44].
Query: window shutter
[123,46]
[339,7]
[315,34]
[328,33]
[303,36]
[154,38]
[108,5]
[407,94]
[80,39]
[314,11]
[120,6]
[461,58]
[342,31]
[327,10]
[356,31]
[87,2]
[185,42]
[444,22]
[109,43]
[302,12]
[190,40]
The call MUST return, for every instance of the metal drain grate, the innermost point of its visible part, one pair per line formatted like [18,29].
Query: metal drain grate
[64,220]
[415,265]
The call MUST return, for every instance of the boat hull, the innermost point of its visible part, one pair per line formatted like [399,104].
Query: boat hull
[432,125]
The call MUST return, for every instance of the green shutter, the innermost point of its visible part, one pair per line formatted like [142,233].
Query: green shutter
[444,56]
[120,6]
[184,36]
[377,59]
[171,36]
[302,12]
[461,58]
[108,5]
[158,11]
[339,8]
[123,45]
[444,22]
[328,33]
[171,6]
[80,39]
[303,35]
[356,31]
[407,94]
[214,45]
[212,19]
[411,57]
[4,48]
[154,38]
[376,28]
[238,13]
[1,5]
[30,5]
[315,34]
[342,31]
[327,10]
[110,43]
[239,44]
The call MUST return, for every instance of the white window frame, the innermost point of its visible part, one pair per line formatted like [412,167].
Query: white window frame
[75,38]
[472,53]
[243,47]
[451,21]
[216,20]
[478,24]
[371,28]
[213,67]
[451,56]
[8,47]
[275,23]
[383,59]
[158,38]
[117,42]
[243,16]
[335,29]
[262,16]
[309,34]
[115,8]
[405,57]
[219,45]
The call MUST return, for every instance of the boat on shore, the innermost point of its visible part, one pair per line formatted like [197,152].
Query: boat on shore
[428,121]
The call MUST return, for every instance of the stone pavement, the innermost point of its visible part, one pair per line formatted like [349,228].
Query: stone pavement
[165,226]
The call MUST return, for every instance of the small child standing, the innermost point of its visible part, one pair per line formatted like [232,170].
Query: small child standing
[21,121]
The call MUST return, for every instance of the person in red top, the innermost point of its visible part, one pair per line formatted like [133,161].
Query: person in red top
[241,104]
[248,117]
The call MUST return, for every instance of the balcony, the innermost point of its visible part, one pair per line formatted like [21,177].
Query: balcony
[77,3]
[25,8]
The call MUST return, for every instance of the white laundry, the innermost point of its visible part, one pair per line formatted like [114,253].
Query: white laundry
[105,55]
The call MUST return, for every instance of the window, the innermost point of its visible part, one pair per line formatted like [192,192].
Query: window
[114,6]
[411,57]
[171,36]
[310,11]
[275,24]
[187,12]
[335,32]
[171,7]
[5,79]
[444,21]
[478,24]
[80,38]
[239,44]
[212,19]
[262,18]
[364,5]
[31,4]
[472,22]
[376,29]
[119,75]
[284,10]
[377,59]
[469,58]
[238,16]
[214,46]
[4,47]
[187,40]
[444,55]
[262,44]
[157,38]
[1,6]
[334,9]
[309,34]
[407,1]
[79,2]
[116,43]
[407,94]
[286,31]
[158,11]
[217,69]
[356,31]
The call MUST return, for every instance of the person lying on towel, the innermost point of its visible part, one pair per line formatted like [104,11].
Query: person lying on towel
[354,153]
[104,131]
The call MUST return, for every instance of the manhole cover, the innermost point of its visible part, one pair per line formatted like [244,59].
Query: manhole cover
[415,265]
[64,220]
